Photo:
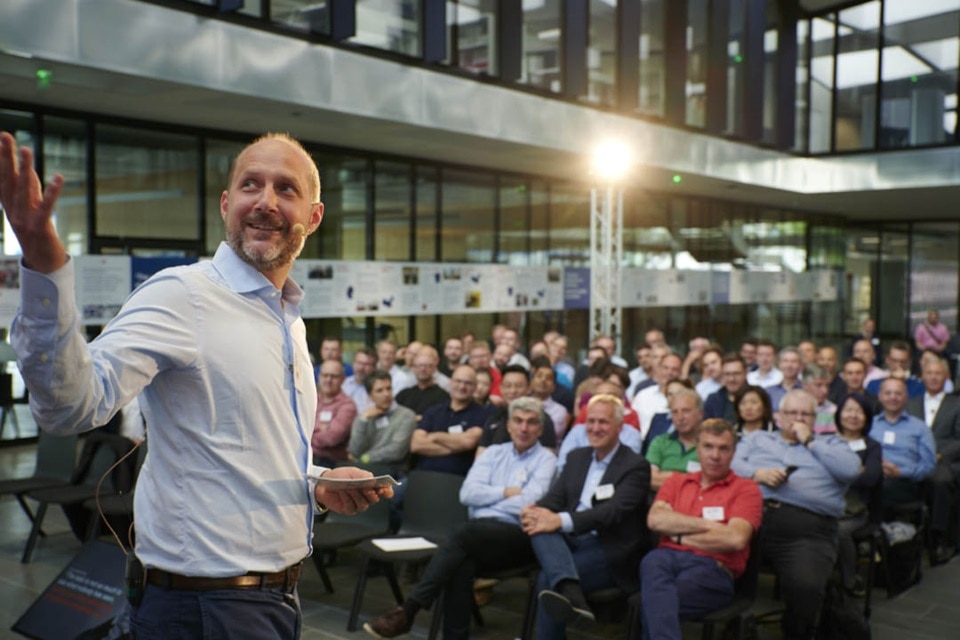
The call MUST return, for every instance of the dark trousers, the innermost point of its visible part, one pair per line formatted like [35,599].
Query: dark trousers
[943,501]
[475,547]
[568,557]
[679,585]
[801,546]
[174,614]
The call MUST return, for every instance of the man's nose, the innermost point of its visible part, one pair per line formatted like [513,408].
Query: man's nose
[268,199]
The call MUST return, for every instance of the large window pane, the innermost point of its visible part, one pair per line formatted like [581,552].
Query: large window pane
[800,142]
[427,193]
[602,52]
[697,61]
[514,229]
[771,79]
[857,67]
[392,25]
[539,223]
[474,29]
[220,154]
[345,194]
[469,206]
[392,211]
[541,44]
[934,268]
[736,50]
[570,226]
[65,152]
[146,184]
[919,73]
[822,35]
[296,15]
[652,66]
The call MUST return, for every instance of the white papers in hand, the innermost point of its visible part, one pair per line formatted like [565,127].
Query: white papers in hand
[403,544]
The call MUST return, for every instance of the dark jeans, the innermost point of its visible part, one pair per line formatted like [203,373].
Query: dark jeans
[679,585]
[801,546]
[477,546]
[943,502]
[176,614]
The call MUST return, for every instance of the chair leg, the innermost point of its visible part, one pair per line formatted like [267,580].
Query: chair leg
[321,566]
[358,594]
[93,529]
[707,631]
[530,609]
[436,618]
[391,574]
[34,533]
[29,512]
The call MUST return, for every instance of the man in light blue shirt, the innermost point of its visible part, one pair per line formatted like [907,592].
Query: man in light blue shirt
[803,480]
[502,481]
[909,451]
[217,353]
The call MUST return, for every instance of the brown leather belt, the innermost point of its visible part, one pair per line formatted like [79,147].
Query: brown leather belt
[286,578]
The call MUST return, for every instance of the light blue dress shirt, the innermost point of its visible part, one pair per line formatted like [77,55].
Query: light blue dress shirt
[228,395]
[577,438]
[907,443]
[499,467]
[824,469]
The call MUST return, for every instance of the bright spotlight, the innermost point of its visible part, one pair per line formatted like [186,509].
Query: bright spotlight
[611,160]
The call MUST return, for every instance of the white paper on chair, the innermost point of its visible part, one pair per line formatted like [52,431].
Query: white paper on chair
[403,544]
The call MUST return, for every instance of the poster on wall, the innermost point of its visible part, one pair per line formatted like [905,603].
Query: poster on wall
[9,289]
[103,283]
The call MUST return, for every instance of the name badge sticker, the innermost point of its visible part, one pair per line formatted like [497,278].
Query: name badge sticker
[521,476]
[382,422]
[455,428]
[858,445]
[604,492]
[713,513]
[326,416]
[693,466]
[889,437]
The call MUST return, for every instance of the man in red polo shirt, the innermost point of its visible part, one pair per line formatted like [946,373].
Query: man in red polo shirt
[706,520]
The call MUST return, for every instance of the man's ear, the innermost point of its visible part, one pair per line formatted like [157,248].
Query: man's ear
[316,217]
[223,205]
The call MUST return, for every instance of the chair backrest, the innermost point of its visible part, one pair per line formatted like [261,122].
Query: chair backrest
[431,507]
[6,389]
[56,456]
[100,451]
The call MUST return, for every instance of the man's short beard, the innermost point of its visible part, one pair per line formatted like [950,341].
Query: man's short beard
[270,260]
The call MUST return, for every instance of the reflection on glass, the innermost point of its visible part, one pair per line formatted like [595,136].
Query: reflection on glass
[391,25]
[146,184]
[469,206]
[821,83]
[857,64]
[220,154]
[652,66]
[541,44]
[343,232]
[427,193]
[602,52]
[802,117]
[392,187]
[65,152]
[514,231]
[771,79]
[473,26]
[539,223]
[296,15]
[696,87]
[919,72]
[934,270]
[569,226]
[736,50]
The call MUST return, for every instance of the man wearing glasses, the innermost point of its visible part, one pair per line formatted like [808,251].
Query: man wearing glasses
[803,480]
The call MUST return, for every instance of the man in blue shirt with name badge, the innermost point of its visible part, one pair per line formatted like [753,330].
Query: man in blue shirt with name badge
[909,451]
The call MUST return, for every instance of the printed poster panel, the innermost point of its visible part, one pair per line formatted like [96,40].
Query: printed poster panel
[665,288]
[823,285]
[9,288]
[576,288]
[143,268]
[103,283]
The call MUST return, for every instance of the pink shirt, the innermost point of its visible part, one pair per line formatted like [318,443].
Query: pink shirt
[338,415]
[928,335]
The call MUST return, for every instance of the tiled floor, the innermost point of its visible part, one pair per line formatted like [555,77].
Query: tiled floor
[928,611]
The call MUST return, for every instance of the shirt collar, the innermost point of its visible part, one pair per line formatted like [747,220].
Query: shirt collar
[609,456]
[244,278]
[935,398]
[529,452]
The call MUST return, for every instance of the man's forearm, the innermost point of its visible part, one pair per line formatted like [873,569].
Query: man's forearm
[670,523]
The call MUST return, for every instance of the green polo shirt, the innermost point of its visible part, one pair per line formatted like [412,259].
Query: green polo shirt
[667,452]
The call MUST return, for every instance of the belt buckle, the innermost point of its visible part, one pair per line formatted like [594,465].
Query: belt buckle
[774,504]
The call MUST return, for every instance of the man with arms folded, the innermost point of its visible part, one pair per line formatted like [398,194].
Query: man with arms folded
[428,390]
[503,480]
[381,435]
[803,480]
[335,414]
[706,520]
[588,532]
[676,452]
[217,352]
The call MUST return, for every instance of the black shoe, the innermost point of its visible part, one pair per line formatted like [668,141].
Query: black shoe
[941,554]
[858,589]
[561,609]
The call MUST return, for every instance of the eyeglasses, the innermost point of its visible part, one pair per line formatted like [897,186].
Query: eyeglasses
[799,414]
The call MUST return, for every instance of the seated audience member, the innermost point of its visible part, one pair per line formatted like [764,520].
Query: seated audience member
[816,382]
[480,358]
[335,414]
[748,353]
[931,356]
[381,434]
[364,362]
[502,353]
[719,404]
[789,364]
[711,367]
[588,531]
[864,351]
[542,386]
[557,352]
[691,364]
[932,334]
[387,361]
[853,374]
[803,480]
[611,376]
[674,452]
[661,422]
[862,501]
[868,332]
[827,360]
[653,400]
[505,479]
[577,435]
[766,374]
[511,338]
[644,368]
[481,394]
[898,359]
[452,353]
[754,413]
[706,521]
[539,350]
[426,392]
[515,384]
[808,353]
[658,352]
[592,375]
[941,413]
[331,348]
[909,451]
